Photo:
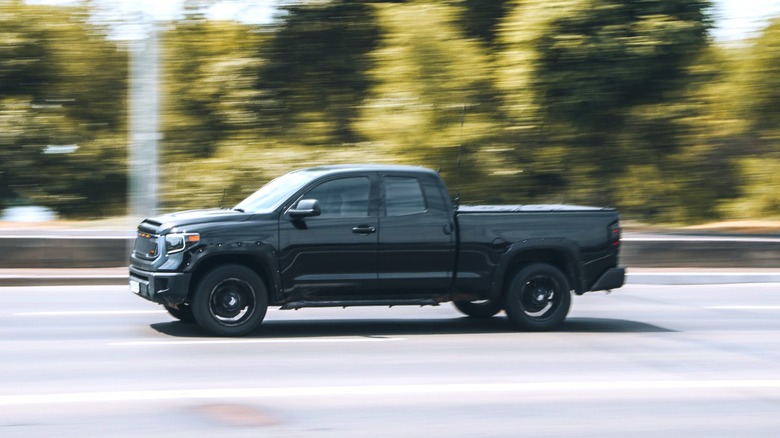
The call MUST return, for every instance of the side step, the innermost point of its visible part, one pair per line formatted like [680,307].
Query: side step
[294,305]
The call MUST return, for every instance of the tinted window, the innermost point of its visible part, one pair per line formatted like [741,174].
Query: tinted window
[347,197]
[403,196]
[270,196]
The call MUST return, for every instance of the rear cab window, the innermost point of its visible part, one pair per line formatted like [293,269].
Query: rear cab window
[403,196]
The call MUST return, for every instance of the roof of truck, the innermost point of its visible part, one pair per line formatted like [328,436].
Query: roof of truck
[368,167]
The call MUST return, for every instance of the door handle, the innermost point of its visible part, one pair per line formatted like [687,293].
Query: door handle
[364,229]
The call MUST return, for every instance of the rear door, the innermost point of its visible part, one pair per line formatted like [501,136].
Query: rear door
[416,236]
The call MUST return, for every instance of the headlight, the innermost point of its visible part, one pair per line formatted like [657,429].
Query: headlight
[178,242]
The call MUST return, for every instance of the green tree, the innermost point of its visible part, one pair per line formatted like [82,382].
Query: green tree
[481,18]
[763,84]
[23,72]
[61,88]
[602,84]
[315,77]
[748,108]
[208,84]
[209,123]
[428,78]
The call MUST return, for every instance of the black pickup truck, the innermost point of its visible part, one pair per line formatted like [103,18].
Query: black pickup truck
[372,235]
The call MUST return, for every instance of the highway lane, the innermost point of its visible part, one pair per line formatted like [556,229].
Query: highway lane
[646,360]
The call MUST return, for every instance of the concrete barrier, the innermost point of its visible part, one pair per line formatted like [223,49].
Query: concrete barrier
[637,251]
[700,252]
[64,252]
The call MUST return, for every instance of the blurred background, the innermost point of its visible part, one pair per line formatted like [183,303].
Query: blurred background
[666,109]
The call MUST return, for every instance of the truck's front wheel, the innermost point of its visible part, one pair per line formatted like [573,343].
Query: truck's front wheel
[183,312]
[231,300]
[538,297]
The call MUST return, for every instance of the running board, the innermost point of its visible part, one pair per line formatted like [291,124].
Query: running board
[294,305]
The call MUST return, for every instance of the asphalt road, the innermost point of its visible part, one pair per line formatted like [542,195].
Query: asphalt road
[644,361]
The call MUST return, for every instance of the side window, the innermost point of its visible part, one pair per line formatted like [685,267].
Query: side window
[403,196]
[346,197]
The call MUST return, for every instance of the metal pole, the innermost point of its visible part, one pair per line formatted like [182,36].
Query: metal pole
[144,125]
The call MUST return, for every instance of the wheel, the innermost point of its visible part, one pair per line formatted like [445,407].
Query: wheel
[538,297]
[231,300]
[182,313]
[479,309]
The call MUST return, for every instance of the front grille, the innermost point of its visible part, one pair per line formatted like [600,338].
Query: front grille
[146,246]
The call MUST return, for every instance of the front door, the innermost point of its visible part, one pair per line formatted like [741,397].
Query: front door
[335,253]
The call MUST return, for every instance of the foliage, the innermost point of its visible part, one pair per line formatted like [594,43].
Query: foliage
[760,194]
[627,103]
[316,70]
[62,87]
[762,84]
[602,82]
[432,102]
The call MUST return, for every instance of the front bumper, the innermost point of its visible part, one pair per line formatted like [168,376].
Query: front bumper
[167,288]
[613,278]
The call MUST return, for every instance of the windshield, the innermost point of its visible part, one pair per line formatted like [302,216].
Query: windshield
[271,195]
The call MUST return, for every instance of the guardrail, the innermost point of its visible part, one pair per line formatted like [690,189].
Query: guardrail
[645,251]
[64,251]
[666,251]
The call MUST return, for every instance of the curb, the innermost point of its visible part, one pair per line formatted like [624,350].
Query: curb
[63,277]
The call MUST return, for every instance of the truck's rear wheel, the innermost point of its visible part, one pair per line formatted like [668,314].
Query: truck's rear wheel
[538,297]
[479,309]
[231,300]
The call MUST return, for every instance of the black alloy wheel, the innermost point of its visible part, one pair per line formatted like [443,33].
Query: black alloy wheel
[231,300]
[538,297]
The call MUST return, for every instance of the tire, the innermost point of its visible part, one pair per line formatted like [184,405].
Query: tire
[231,300]
[479,309]
[538,298]
[182,313]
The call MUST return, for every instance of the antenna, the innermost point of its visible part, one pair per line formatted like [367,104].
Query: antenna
[460,154]
[222,201]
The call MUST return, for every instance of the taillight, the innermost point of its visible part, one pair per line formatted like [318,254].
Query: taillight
[614,234]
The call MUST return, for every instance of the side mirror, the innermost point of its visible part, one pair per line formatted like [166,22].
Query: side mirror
[305,208]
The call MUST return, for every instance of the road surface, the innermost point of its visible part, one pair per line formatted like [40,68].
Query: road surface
[643,361]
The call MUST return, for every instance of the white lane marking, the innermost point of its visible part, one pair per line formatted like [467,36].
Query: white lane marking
[254,341]
[701,274]
[700,277]
[118,236]
[90,313]
[756,307]
[378,390]
[68,277]
[701,239]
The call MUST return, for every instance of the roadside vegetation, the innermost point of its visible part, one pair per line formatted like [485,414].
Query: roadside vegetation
[605,102]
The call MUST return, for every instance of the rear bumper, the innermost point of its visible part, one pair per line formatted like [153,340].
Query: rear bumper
[167,288]
[613,278]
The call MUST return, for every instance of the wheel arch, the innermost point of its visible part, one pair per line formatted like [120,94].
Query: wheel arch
[562,255]
[257,262]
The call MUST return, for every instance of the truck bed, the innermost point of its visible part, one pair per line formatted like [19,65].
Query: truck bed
[543,208]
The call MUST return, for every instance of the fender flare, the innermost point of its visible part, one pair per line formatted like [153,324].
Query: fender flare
[258,256]
[565,255]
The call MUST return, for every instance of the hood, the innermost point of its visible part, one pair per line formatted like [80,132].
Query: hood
[184,220]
